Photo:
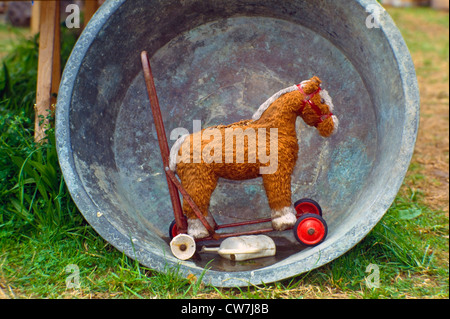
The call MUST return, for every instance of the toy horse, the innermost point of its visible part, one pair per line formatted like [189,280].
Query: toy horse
[199,170]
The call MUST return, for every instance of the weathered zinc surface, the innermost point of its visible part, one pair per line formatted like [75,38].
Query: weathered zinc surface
[217,61]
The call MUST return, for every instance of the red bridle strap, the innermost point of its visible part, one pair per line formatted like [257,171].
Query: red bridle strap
[316,109]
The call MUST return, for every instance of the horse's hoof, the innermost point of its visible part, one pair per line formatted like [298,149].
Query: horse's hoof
[196,229]
[283,219]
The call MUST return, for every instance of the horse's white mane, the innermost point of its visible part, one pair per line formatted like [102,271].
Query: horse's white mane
[272,99]
[323,93]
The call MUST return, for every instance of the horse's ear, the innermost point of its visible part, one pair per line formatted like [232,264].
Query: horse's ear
[312,85]
[316,80]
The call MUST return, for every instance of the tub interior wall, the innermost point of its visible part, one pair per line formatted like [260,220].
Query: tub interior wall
[114,142]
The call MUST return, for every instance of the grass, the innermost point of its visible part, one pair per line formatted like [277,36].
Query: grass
[419,22]
[42,232]
[8,38]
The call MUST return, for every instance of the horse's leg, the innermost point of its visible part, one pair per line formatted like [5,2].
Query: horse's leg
[278,191]
[200,186]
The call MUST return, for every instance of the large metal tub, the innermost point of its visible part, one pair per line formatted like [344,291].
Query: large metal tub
[217,61]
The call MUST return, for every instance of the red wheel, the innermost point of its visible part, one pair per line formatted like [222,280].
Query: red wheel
[310,230]
[307,206]
[173,229]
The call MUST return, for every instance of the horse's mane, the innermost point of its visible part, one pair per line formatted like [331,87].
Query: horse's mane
[270,100]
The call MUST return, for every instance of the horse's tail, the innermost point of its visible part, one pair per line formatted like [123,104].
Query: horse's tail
[174,152]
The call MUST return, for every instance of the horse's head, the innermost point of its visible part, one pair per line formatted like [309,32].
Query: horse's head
[316,107]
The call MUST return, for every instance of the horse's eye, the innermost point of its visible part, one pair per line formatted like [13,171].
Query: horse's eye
[322,101]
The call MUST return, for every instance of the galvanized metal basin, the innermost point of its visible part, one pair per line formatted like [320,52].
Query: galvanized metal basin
[217,61]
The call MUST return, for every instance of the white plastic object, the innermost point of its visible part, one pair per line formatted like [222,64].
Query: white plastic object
[244,247]
[183,246]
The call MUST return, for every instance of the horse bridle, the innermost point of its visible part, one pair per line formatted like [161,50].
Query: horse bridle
[308,97]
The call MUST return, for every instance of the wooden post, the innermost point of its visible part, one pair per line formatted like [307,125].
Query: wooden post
[48,74]
[35,17]
[90,6]
[56,74]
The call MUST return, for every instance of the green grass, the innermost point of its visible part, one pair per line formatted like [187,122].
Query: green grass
[9,36]
[36,267]
[416,25]
[42,232]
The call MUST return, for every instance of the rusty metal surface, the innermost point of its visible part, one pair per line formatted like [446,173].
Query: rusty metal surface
[217,61]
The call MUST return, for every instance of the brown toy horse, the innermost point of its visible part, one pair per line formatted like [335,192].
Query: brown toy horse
[239,151]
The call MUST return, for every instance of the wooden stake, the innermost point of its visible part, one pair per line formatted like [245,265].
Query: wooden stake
[35,17]
[90,6]
[56,74]
[49,27]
